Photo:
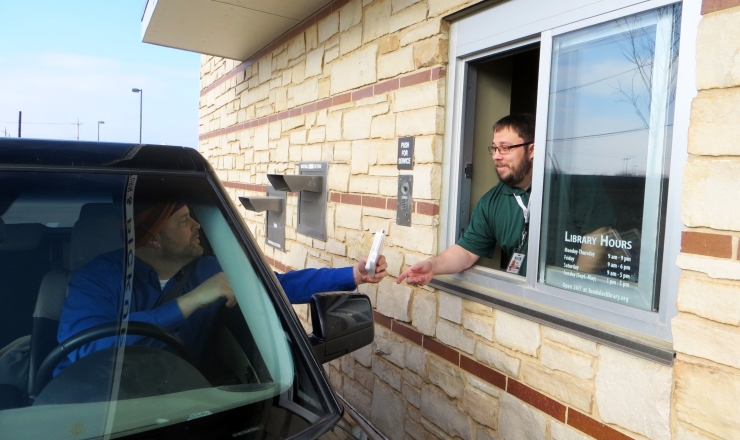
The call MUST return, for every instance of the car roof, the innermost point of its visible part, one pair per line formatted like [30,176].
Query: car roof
[81,154]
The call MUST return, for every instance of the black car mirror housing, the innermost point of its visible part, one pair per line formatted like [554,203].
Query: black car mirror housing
[342,323]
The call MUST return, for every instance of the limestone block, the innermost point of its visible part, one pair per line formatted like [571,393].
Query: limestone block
[364,355]
[371,290]
[497,359]
[436,406]
[482,385]
[312,37]
[355,70]
[706,339]
[393,299]
[416,360]
[572,341]
[427,181]
[559,431]
[358,396]
[413,379]
[428,94]
[334,127]
[408,16]
[517,420]
[480,406]
[294,122]
[702,204]
[383,126]
[718,50]
[329,56]
[265,69]
[716,300]
[336,247]
[387,152]
[424,313]
[437,7]
[430,52]
[682,433]
[418,238]
[377,19]
[707,398]
[296,46]
[420,32]
[328,27]
[411,394]
[356,124]
[335,378]
[480,325]
[388,187]
[454,336]
[393,256]
[429,120]
[396,63]
[639,401]
[314,62]
[261,138]
[389,348]
[434,431]
[387,372]
[397,5]
[361,157]
[450,307]
[445,376]
[414,429]
[349,216]
[363,185]
[298,137]
[348,366]
[350,40]
[564,388]
[350,15]
[254,95]
[714,130]
[281,99]
[364,376]
[297,256]
[714,267]
[517,333]
[295,154]
[568,362]
[316,135]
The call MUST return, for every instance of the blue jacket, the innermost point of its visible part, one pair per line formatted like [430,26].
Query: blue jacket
[95,292]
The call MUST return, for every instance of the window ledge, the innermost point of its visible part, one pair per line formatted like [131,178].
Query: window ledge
[654,350]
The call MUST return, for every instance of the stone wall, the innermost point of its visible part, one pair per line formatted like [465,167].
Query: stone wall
[707,329]
[341,88]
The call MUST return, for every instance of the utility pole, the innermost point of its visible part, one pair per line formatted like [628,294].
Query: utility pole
[20,117]
[78,128]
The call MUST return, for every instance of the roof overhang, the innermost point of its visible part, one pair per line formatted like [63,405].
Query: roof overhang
[234,29]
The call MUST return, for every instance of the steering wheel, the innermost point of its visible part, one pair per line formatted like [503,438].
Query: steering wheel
[43,376]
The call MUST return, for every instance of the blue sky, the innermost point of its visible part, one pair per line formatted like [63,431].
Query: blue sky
[64,60]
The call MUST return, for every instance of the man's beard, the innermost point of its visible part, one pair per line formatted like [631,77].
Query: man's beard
[516,174]
[184,254]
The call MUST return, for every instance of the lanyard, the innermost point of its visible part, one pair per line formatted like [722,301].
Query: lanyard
[525,211]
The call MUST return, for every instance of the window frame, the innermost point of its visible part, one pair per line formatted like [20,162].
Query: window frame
[527,293]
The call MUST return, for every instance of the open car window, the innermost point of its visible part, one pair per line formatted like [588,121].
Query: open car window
[72,272]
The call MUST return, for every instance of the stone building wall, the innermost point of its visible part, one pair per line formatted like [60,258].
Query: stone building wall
[706,331]
[341,88]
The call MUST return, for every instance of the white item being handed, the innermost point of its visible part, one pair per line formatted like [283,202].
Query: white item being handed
[372,258]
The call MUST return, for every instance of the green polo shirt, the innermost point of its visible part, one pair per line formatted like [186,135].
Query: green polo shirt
[497,218]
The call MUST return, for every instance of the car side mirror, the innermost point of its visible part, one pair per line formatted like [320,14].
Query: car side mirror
[342,323]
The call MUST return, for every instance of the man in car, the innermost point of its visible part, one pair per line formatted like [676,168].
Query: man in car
[168,257]
[502,214]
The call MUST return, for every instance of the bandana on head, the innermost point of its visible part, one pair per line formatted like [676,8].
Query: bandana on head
[149,222]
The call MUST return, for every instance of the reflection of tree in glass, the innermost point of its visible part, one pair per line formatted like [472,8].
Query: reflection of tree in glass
[638,47]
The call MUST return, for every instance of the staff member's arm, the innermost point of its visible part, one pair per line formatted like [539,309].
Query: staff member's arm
[453,260]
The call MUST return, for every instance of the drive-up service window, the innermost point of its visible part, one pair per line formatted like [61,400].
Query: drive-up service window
[603,82]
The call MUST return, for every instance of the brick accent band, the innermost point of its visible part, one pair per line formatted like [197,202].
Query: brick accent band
[523,392]
[377,89]
[711,245]
[708,6]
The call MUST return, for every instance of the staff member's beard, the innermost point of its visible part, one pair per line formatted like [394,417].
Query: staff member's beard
[516,174]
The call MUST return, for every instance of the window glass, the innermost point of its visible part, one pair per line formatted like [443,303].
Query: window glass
[607,153]
[67,255]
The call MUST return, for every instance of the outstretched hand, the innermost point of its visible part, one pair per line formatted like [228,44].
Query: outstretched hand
[362,276]
[210,291]
[419,274]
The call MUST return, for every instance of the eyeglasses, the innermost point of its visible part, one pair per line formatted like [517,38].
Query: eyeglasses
[505,149]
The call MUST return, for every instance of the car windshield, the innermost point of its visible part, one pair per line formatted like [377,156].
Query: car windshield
[96,338]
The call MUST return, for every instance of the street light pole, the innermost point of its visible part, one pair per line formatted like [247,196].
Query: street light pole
[99,122]
[141,106]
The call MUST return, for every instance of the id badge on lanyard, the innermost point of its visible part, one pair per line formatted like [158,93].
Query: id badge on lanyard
[515,264]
